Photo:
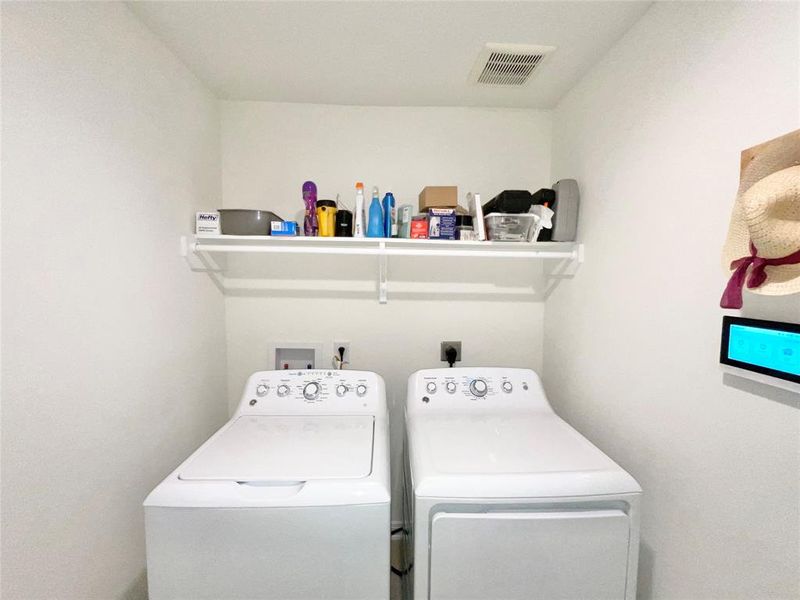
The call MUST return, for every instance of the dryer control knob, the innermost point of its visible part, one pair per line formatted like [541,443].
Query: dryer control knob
[361,389]
[341,389]
[451,387]
[262,389]
[311,391]
[283,390]
[507,387]
[431,387]
[478,387]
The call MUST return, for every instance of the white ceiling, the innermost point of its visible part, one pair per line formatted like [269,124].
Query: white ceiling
[382,52]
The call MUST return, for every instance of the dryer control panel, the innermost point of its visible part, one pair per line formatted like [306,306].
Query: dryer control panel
[313,391]
[467,389]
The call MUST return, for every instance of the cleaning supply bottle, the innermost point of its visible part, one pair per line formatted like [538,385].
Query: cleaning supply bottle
[389,215]
[310,201]
[358,225]
[375,225]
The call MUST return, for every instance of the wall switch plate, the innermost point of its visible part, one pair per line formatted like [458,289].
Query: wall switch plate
[446,345]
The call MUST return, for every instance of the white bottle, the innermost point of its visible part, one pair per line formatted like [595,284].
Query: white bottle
[358,218]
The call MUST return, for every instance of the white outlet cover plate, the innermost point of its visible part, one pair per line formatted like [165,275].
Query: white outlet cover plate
[317,347]
[348,357]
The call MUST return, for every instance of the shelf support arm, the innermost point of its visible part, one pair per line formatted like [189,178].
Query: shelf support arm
[383,275]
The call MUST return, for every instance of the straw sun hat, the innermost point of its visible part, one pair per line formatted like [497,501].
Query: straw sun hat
[762,251]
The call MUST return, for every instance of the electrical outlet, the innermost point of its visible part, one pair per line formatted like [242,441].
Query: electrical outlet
[348,359]
[446,345]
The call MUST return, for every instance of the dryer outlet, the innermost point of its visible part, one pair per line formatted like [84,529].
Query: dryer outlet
[348,358]
[445,346]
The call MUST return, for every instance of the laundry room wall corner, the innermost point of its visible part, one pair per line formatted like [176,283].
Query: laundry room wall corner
[113,363]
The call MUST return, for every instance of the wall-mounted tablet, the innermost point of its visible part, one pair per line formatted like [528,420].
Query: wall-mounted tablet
[769,348]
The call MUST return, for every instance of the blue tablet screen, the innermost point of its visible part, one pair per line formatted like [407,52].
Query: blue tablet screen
[768,348]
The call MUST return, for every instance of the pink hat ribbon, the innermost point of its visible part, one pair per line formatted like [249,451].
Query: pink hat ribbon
[732,296]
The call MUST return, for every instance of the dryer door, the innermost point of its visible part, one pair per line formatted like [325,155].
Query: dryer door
[545,555]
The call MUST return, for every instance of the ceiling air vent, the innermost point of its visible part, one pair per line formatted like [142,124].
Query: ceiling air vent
[508,64]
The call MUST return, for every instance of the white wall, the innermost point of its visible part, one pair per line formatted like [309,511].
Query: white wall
[494,308]
[270,149]
[113,351]
[653,135]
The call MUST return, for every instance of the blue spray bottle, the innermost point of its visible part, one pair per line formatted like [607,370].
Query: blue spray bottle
[389,215]
[375,223]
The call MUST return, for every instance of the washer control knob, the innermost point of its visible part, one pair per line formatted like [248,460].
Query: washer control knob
[261,389]
[311,391]
[451,387]
[507,387]
[361,389]
[478,387]
[283,390]
[341,389]
[431,387]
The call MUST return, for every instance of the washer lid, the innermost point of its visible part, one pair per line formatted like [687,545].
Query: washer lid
[260,448]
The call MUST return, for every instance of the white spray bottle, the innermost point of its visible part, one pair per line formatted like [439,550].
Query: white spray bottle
[358,225]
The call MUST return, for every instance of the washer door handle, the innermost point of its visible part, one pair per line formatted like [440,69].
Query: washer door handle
[271,490]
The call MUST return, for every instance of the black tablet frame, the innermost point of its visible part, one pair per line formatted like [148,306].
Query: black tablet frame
[727,321]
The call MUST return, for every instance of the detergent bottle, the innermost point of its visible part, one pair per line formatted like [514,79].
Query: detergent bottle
[389,215]
[375,226]
[310,200]
[358,225]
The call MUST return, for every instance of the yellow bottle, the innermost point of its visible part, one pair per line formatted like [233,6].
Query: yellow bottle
[326,217]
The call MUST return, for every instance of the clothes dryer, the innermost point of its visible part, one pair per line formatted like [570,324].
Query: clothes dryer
[505,500]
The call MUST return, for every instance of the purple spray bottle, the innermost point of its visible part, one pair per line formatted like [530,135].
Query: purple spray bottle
[310,200]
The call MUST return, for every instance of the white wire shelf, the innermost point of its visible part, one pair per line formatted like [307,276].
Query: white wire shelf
[206,246]
[379,246]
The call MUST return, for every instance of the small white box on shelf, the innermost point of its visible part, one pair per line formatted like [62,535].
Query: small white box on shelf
[207,222]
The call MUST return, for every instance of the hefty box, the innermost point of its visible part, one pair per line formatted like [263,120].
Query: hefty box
[442,223]
[438,196]
[207,222]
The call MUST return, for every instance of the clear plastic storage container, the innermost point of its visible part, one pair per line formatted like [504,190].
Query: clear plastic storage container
[507,227]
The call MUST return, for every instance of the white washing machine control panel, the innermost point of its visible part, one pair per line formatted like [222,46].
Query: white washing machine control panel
[313,391]
[466,388]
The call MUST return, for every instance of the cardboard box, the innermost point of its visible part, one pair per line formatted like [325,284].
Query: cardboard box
[441,223]
[438,196]
[283,228]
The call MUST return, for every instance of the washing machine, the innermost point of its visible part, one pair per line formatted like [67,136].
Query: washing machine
[505,500]
[288,500]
